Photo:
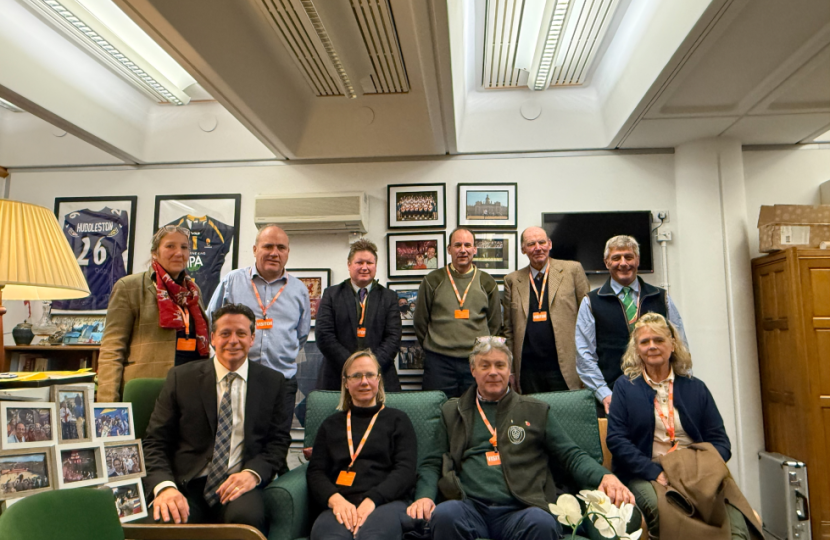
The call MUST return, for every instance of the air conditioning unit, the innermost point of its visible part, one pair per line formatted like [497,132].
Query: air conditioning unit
[314,212]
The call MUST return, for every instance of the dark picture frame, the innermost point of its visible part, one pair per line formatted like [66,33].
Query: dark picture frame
[21,456]
[405,289]
[313,278]
[488,206]
[493,259]
[402,250]
[416,196]
[410,357]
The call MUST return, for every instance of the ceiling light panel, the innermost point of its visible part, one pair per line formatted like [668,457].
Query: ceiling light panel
[501,38]
[380,36]
[588,24]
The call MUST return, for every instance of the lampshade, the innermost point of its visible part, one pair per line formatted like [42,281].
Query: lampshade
[36,262]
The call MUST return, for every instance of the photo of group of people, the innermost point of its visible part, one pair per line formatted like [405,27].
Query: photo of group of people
[124,459]
[78,465]
[417,206]
[416,255]
[113,420]
[72,415]
[23,474]
[491,254]
[410,359]
[26,424]
[129,499]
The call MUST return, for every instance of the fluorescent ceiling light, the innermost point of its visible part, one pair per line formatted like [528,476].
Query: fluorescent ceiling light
[10,106]
[92,34]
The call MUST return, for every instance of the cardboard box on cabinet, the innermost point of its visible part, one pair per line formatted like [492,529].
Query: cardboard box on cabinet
[793,225]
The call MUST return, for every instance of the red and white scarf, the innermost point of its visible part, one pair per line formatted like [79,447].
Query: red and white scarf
[169,294]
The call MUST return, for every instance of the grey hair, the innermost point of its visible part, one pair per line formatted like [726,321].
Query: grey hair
[621,242]
[484,347]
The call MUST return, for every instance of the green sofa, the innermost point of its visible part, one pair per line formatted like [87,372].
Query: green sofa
[287,497]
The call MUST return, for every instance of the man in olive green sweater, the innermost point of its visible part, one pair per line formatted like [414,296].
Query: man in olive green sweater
[501,490]
[456,304]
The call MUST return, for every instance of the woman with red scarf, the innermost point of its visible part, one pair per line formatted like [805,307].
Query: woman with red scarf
[155,320]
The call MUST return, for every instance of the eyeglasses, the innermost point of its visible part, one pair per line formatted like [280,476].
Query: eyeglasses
[176,228]
[490,339]
[359,376]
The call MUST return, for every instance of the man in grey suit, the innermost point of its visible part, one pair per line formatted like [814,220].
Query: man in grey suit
[540,305]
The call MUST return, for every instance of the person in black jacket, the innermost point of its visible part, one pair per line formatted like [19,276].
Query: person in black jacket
[358,314]
[363,461]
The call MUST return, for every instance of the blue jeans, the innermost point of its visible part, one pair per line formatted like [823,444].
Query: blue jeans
[470,519]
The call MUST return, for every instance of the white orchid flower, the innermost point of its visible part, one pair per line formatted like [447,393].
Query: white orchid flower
[566,510]
[625,513]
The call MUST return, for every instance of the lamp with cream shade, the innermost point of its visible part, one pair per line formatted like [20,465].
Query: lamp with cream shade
[36,262]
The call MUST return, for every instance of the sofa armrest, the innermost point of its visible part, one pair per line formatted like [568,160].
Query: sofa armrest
[286,504]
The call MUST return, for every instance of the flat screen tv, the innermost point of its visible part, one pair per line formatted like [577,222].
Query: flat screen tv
[581,236]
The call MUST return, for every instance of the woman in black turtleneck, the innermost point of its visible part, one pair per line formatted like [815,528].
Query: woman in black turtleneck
[365,496]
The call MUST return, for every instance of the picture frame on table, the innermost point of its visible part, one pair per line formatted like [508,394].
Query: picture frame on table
[101,233]
[410,357]
[80,328]
[112,422]
[487,206]
[316,281]
[74,413]
[129,499]
[213,222]
[415,255]
[28,424]
[124,460]
[30,471]
[416,206]
[407,292]
[496,252]
[80,465]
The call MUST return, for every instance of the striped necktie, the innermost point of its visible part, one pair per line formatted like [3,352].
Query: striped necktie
[218,469]
[630,307]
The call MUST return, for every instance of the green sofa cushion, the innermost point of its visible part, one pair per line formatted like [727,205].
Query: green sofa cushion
[142,393]
[577,413]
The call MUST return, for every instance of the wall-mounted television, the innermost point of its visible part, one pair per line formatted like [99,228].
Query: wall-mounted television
[581,236]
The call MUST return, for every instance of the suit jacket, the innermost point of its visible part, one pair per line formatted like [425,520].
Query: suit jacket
[182,430]
[134,345]
[567,286]
[336,332]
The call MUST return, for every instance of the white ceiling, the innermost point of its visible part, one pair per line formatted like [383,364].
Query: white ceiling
[669,72]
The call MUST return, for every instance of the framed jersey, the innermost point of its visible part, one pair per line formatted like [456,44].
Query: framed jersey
[213,221]
[100,231]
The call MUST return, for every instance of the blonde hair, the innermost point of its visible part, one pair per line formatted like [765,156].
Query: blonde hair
[345,397]
[680,360]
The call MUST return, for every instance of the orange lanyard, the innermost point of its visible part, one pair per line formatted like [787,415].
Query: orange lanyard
[460,299]
[186,317]
[256,292]
[668,423]
[539,295]
[490,428]
[363,308]
[365,435]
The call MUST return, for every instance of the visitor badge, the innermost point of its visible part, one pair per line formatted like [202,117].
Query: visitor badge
[264,324]
[184,344]
[540,316]
[345,478]
[493,459]
[361,332]
[462,313]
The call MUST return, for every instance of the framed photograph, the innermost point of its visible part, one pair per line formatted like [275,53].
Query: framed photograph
[213,222]
[129,499]
[316,280]
[80,465]
[101,231]
[124,459]
[73,404]
[27,424]
[415,255]
[26,472]
[416,206]
[496,252]
[487,206]
[80,328]
[410,359]
[407,298]
[112,422]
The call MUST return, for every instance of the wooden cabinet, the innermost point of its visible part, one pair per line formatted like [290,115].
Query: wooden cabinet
[792,315]
[67,357]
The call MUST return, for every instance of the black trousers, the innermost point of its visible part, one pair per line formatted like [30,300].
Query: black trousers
[383,523]
[446,373]
[535,381]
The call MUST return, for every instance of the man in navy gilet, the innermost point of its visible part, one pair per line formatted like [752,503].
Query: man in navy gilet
[607,315]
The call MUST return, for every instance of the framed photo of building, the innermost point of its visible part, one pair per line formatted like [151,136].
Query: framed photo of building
[213,222]
[73,404]
[129,499]
[416,206]
[415,255]
[410,359]
[80,465]
[491,206]
[124,459]
[25,472]
[316,281]
[112,422]
[496,252]
[407,292]
[101,232]
[27,424]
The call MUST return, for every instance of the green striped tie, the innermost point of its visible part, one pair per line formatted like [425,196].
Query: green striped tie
[630,307]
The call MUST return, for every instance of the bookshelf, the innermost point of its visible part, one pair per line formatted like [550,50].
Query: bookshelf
[62,357]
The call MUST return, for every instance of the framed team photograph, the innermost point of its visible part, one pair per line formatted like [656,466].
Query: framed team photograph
[416,206]
[101,233]
[213,222]
[129,499]
[496,252]
[27,424]
[73,404]
[410,359]
[316,280]
[112,422]
[26,472]
[80,465]
[490,206]
[407,292]
[415,255]
[124,459]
